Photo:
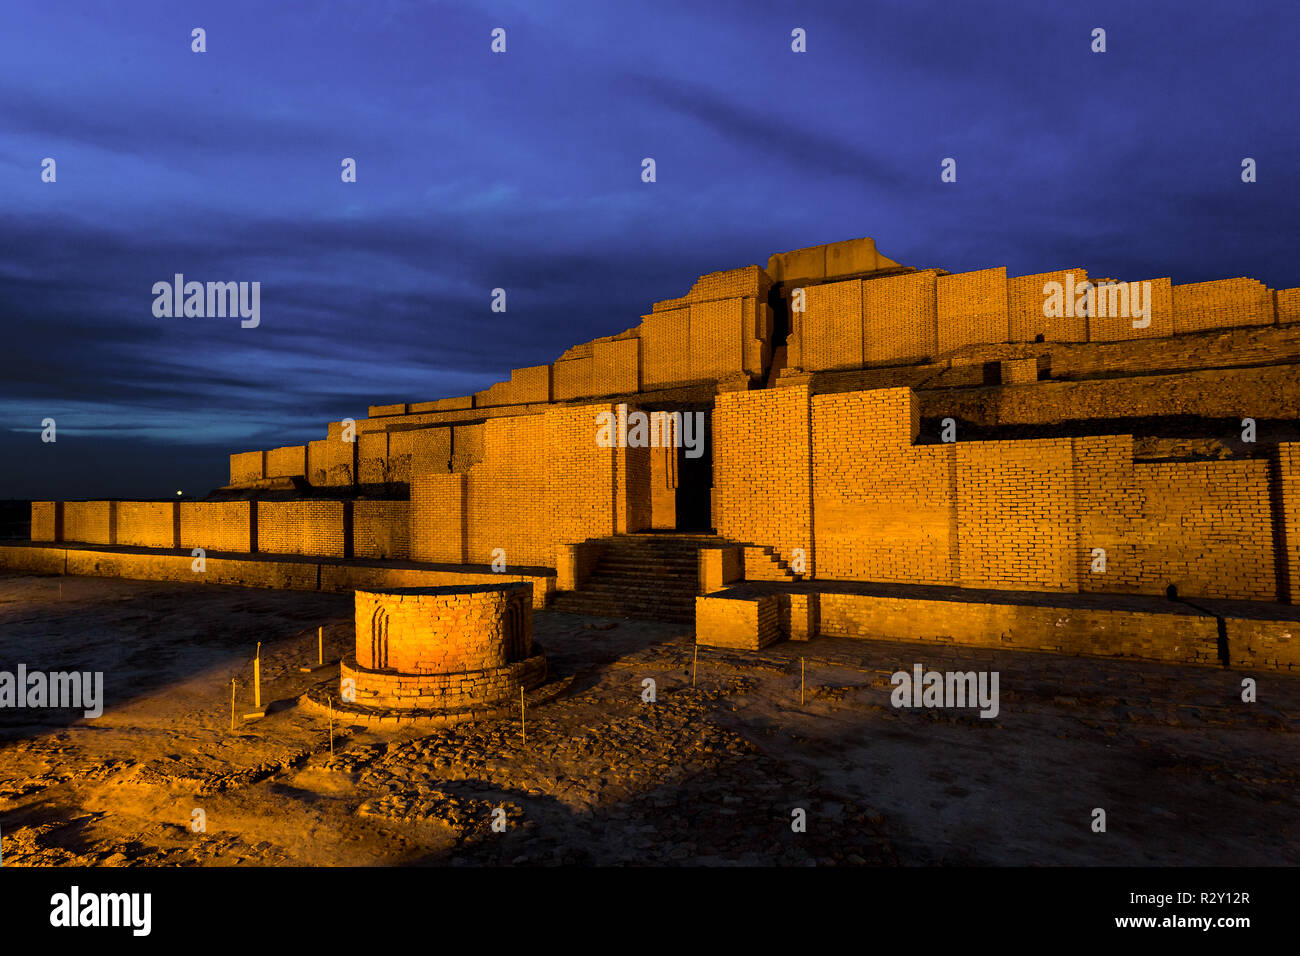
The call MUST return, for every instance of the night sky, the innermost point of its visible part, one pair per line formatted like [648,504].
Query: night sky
[522,170]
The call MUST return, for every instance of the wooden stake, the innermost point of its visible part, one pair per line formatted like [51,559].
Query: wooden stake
[320,645]
[232,704]
[330,700]
[523,729]
[695,664]
[801,694]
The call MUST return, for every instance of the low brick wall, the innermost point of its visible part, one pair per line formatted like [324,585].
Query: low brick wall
[442,649]
[742,622]
[444,630]
[262,572]
[1183,637]
[1263,643]
[444,692]
[353,577]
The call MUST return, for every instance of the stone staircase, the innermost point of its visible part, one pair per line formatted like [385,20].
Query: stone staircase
[646,576]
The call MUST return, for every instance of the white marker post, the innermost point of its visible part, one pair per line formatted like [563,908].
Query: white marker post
[320,654]
[258,710]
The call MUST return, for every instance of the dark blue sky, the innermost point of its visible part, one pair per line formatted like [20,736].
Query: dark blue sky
[478,170]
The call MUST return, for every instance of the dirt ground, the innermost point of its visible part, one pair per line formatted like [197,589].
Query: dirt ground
[713,773]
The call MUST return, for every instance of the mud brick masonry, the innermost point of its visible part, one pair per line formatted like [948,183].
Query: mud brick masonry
[444,649]
[1095,462]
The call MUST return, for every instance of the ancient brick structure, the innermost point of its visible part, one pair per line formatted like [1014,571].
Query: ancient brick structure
[442,650]
[861,421]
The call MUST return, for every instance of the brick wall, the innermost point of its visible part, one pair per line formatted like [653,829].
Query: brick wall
[331,463]
[1262,392]
[372,458]
[1005,515]
[302,527]
[47,521]
[1114,328]
[91,522]
[417,450]
[748,281]
[1206,528]
[830,329]
[505,499]
[616,367]
[971,308]
[1286,502]
[1026,301]
[466,446]
[438,530]
[1221,304]
[1109,513]
[148,524]
[581,478]
[899,318]
[717,347]
[1288,306]
[444,630]
[247,466]
[217,525]
[762,472]
[666,348]
[1016,515]
[381,529]
[885,510]
[287,462]
[573,378]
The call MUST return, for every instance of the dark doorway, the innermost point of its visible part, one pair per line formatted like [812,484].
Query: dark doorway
[695,479]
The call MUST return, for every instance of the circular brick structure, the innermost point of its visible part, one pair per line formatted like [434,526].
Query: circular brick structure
[442,651]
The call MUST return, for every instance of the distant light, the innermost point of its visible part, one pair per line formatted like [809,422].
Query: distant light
[178,494]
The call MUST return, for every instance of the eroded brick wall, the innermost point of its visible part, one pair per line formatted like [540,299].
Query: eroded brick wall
[331,463]
[381,529]
[247,466]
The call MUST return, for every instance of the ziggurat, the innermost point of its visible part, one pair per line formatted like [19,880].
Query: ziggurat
[1097,470]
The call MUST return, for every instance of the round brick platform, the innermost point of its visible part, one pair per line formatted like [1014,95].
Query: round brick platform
[449,652]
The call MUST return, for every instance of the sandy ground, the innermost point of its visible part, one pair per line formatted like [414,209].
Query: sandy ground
[1186,772]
